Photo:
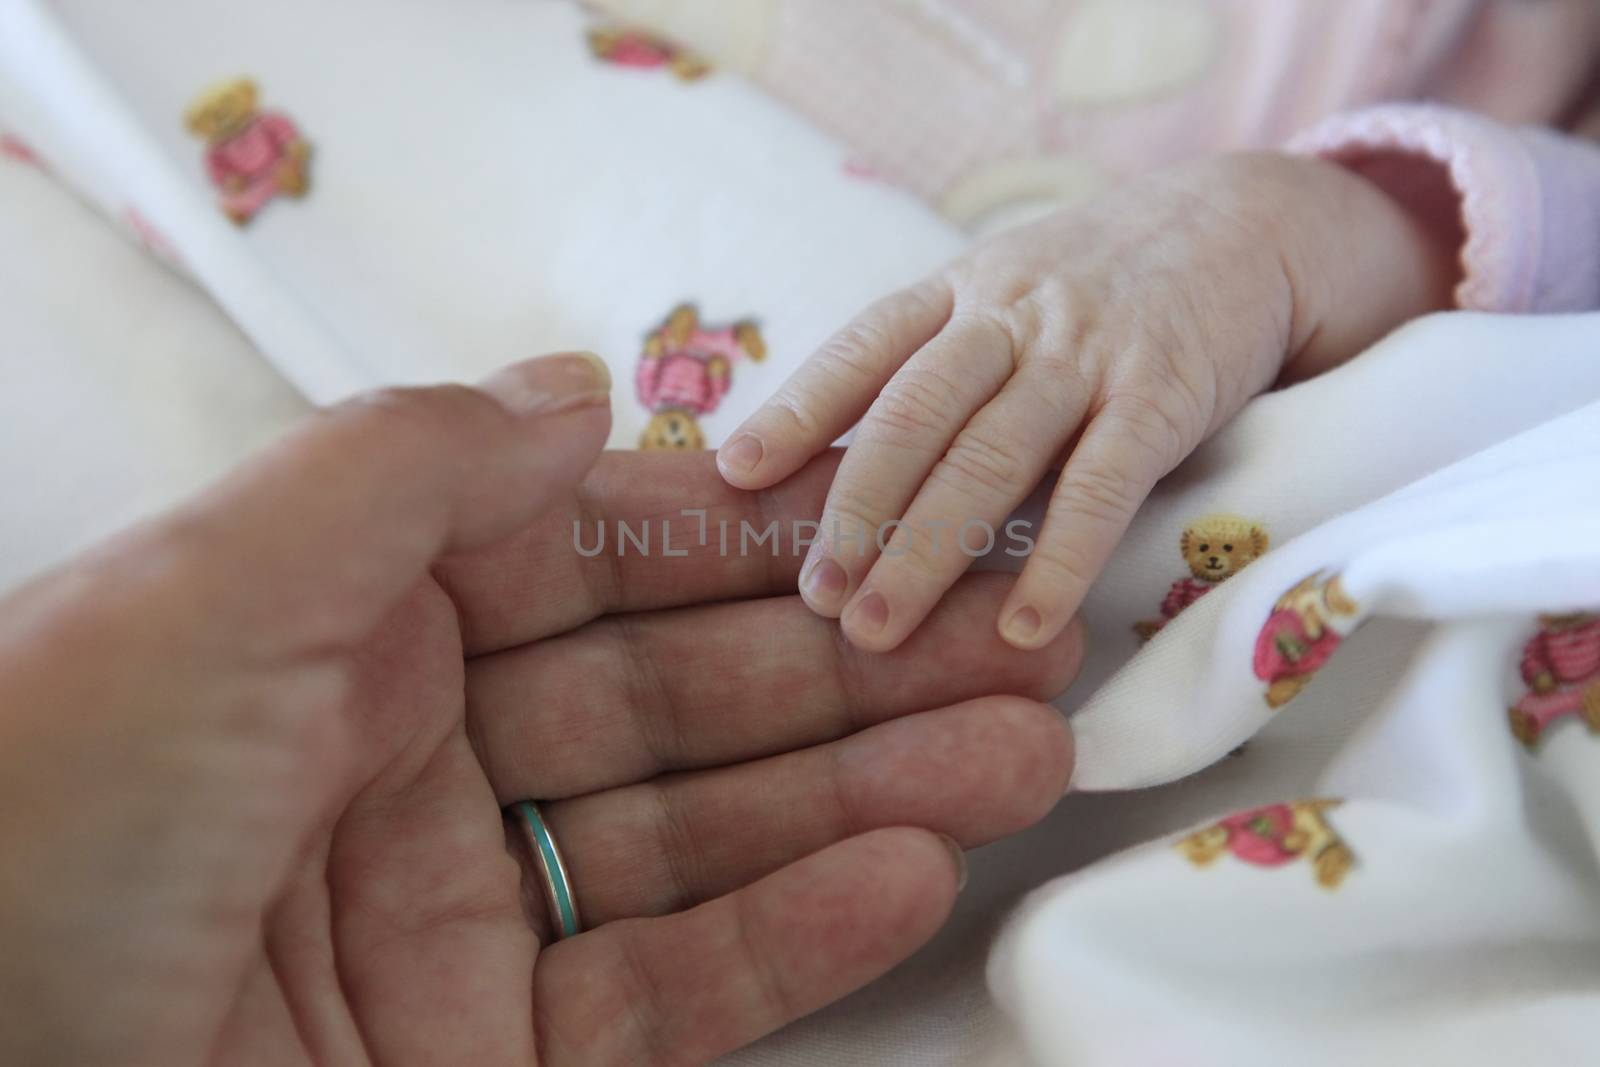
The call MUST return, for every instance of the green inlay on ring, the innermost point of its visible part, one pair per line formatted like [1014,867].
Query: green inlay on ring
[556,875]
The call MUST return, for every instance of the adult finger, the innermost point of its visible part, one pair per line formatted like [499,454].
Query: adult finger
[630,697]
[687,988]
[991,467]
[1127,447]
[646,530]
[831,390]
[901,439]
[668,844]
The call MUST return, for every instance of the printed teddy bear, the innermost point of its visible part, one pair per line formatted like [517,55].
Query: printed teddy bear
[1216,548]
[642,49]
[672,430]
[1561,666]
[251,156]
[685,371]
[1273,836]
[1306,625]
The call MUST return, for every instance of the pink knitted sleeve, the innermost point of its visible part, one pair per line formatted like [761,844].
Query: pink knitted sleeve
[1527,200]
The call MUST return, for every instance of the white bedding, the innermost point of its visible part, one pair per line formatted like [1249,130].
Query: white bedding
[481,188]
[122,386]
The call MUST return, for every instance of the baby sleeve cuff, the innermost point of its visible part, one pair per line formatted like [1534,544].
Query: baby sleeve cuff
[1527,202]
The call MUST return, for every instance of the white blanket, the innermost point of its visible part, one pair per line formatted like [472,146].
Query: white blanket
[1400,865]
[480,187]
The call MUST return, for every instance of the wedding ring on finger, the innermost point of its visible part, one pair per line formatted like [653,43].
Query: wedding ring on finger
[553,876]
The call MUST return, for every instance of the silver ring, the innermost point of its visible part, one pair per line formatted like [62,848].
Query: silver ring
[553,876]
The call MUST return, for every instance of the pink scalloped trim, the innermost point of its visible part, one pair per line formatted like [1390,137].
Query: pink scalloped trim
[1501,208]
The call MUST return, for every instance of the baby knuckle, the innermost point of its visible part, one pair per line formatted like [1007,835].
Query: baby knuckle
[850,521]
[796,411]
[985,321]
[919,552]
[835,373]
[986,330]
[928,297]
[1063,372]
[977,460]
[1099,492]
[1149,426]
[1059,565]
[916,402]
[849,354]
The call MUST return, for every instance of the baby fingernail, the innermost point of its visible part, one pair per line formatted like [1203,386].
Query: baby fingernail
[960,857]
[1023,626]
[827,581]
[741,455]
[870,614]
[551,384]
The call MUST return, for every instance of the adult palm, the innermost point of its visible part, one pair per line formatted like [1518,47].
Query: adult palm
[256,751]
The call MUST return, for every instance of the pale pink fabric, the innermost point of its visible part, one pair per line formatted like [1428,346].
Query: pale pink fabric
[1528,199]
[940,95]
[928,92]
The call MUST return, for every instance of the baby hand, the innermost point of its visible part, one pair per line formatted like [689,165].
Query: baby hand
[1109,340]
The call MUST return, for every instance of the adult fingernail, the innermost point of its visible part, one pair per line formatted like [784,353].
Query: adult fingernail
[826,583]
[960,856]
[551,384]
[1023,627]
[870,615]
[741,455]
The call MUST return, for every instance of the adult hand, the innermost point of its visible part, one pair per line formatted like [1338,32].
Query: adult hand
[253,756]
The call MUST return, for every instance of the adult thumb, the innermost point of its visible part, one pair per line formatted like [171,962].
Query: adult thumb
[318,537]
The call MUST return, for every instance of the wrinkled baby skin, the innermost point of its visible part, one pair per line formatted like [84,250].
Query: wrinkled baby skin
[1107,341]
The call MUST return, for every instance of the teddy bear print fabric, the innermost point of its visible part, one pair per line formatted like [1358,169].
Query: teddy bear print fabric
[478,199]
[1306,626]
[625,46]
[1214,548]
[252,156]
[1273,836]
[1415,672]
[1561,668]
[685,370]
